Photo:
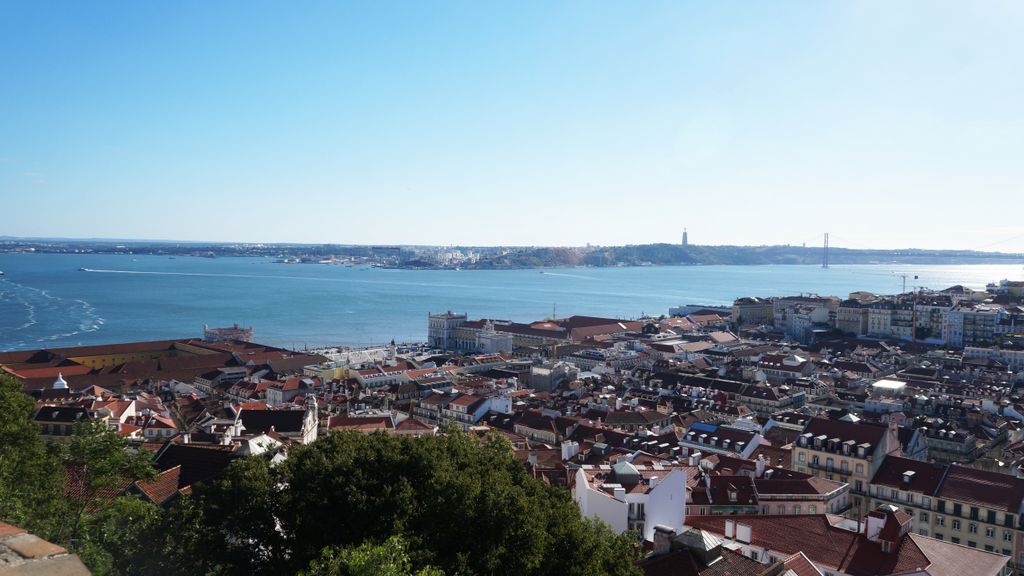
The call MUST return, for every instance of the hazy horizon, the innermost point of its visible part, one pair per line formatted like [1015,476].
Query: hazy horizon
[43,239]
[521,124]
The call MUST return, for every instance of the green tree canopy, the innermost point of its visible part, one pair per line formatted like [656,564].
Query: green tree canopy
[387,559]
[31,478]
[460,505]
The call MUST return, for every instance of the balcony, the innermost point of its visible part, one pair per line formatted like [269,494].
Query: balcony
[831,468]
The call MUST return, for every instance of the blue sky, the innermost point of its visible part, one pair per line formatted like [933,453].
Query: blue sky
[888,124]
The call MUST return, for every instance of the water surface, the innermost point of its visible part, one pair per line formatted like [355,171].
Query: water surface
[46,301]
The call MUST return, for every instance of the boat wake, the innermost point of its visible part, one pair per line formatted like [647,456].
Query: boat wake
[40,308]
[580,276]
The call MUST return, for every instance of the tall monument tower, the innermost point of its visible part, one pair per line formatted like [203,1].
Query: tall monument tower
[686,241]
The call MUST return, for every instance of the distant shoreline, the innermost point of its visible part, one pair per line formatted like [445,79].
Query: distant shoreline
[519,258]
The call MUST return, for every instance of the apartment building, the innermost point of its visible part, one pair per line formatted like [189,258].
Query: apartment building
[958,504]
[849,452]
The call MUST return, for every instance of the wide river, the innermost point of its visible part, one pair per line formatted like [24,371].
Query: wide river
[46,301]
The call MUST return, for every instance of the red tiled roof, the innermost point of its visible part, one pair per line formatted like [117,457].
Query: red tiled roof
[683,563]
[926,479]
[989,489]
[413,424]
[162,487]
[800,565]
[823,544]
[360,423]
[858,432]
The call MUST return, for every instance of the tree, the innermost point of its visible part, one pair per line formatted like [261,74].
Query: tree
[387,559]
[238,530]
[462,505]
[99,466]
[31,477]
[119,538]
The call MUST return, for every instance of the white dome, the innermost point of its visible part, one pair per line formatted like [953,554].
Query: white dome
[60,383]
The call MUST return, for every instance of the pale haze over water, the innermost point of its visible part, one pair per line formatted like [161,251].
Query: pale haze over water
[45,301]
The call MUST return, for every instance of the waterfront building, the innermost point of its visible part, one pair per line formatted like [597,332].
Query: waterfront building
[231,333]
[752,311]
[852,316]
[440,328]
[798,316]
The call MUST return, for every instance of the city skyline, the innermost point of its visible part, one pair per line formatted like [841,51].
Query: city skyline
[420,124]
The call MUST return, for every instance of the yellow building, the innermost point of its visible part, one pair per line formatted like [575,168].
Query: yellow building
[846,451]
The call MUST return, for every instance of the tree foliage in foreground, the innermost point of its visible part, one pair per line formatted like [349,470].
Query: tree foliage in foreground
[387,559]
[348,504]
[31,478]
[460,505]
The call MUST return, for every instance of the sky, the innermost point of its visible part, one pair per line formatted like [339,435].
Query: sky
[886,124]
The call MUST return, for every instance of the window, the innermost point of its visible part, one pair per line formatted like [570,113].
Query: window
[860,468]
[990,532]
[926,502]
[1007,552]
[991,517]
[895,494]
[796,509]
[954,540]
[938,536]
[958,510]
[802,457]
[924,516]
[956,524]
[972,544]
[989,548]
[1008,520]
[1007,536]
[972,527]
[942,506]
[782,508]
[940,521]
[813,509]
[859,486]
[974,513]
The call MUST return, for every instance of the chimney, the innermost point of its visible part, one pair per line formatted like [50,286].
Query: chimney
[653,482]
[744,533]
[663,536]
[533,459]
[186,438]
[619,493]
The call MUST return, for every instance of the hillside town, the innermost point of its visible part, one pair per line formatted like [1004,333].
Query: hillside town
[792,435]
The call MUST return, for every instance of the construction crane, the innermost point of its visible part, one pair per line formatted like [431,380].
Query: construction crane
[904,276]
